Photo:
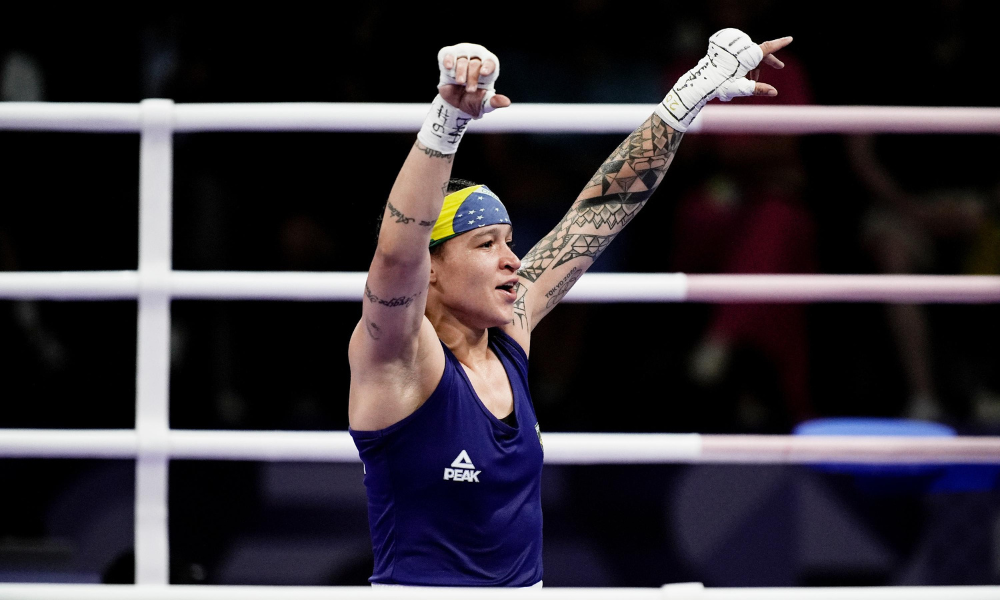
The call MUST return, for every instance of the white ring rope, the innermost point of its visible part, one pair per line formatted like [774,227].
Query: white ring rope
[667,592]
[592,287]
[519,118]
[560,448]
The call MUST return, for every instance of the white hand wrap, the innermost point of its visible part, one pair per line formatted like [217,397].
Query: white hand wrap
[720,74]
[443,127]
[470,51]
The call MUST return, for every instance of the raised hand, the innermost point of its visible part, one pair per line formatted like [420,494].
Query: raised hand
[727,71]
[768,49]
[468,74]
[465,92]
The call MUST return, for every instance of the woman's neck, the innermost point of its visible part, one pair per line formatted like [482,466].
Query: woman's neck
[468,344]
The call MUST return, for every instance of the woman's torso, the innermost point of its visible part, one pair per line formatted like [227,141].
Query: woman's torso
[453,492]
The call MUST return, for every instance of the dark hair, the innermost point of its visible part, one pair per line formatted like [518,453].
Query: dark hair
[459,184]
[454,184]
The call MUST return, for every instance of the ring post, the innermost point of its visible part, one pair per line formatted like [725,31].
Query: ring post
[153,343]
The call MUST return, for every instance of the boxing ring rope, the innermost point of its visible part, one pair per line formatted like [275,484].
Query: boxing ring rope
[154,284]
[667,592]
[560,448]
[592,287]
[518,118]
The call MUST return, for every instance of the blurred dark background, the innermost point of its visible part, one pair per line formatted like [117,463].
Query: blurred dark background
[309,202]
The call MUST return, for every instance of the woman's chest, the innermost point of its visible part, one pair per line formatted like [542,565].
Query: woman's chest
[492,386]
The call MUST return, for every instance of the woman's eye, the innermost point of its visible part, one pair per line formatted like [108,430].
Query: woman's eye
[510,244]
[487,244]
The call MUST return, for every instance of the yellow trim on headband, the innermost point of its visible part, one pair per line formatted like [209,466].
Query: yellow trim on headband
[445,226]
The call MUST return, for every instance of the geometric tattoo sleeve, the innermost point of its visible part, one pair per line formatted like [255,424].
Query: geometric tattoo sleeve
[610,200]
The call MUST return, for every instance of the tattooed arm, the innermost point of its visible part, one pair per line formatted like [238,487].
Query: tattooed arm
[612,198]
[395,294]
[386,342]
[394,353]
[626,180]
[397,278]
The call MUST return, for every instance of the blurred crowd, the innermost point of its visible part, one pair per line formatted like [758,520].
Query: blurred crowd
[920,204]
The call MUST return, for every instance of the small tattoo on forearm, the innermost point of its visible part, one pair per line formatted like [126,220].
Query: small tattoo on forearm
[400,217]
[431,152]
[390,303]
[562,288]
[405,220]
[373,330]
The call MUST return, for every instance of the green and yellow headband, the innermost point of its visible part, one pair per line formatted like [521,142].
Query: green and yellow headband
[465,210]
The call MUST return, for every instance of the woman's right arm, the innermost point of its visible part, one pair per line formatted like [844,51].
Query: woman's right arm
[385,347]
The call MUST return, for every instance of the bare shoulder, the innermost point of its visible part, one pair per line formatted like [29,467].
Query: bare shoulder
[384,392]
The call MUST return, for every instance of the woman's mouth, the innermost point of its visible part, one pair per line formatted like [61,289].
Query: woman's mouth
[509,291]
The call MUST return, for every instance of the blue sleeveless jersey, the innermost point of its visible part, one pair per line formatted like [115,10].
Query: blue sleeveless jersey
[454,494]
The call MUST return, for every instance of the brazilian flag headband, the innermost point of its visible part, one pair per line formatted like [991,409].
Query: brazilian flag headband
[465,210]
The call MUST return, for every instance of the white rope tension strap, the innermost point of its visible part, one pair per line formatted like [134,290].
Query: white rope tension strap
[560,448]
[519,118]
[684,591]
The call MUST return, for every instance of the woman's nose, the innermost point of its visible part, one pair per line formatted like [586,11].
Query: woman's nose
[511,260]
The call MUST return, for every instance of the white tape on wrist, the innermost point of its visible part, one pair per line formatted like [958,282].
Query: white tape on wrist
[720,74]
[443,127]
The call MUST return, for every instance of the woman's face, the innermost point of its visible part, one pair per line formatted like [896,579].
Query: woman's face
[475,274]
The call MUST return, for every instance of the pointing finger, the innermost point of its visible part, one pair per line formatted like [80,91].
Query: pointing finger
[772,46]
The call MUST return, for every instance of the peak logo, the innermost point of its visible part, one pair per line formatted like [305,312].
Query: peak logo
[462,469]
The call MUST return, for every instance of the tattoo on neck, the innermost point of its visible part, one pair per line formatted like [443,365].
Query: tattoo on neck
[431,152]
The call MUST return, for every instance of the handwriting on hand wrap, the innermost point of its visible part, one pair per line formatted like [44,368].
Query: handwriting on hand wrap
[440,127]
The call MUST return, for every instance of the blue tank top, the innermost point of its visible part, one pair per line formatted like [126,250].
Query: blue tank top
[454,494]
